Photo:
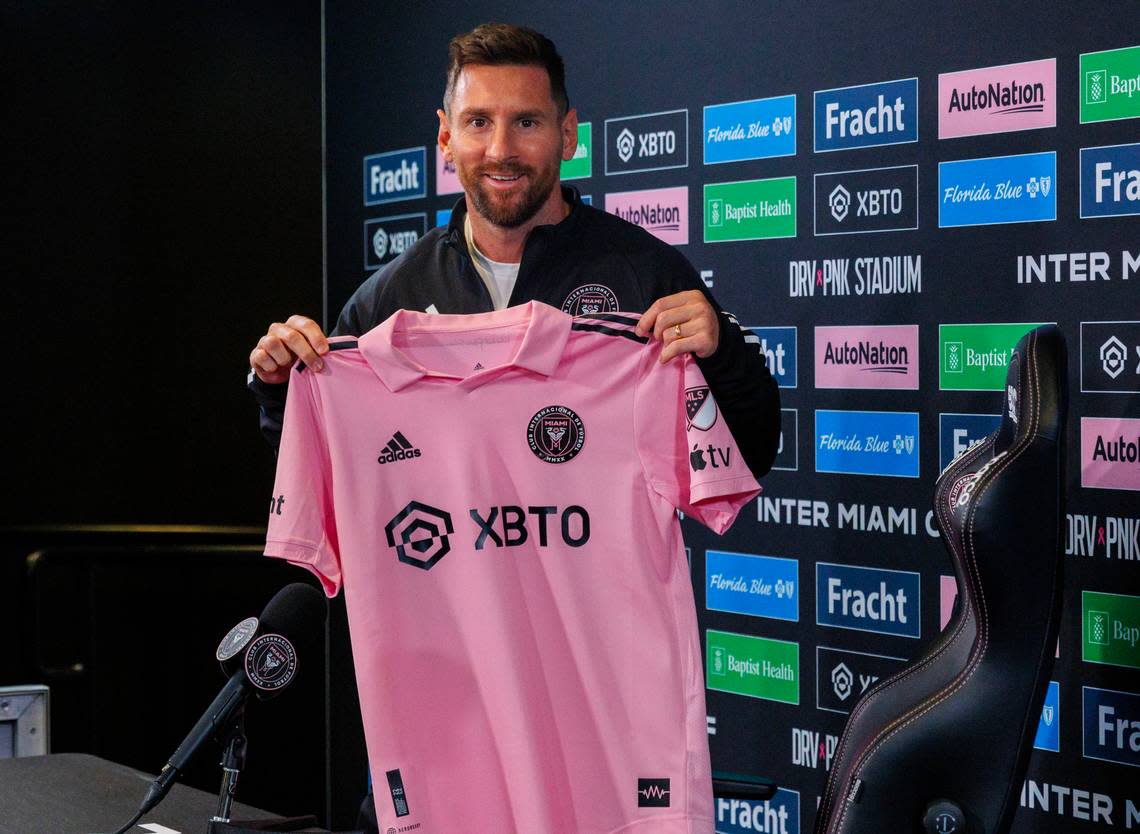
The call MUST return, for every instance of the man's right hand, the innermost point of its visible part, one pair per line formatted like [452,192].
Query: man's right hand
[283,344]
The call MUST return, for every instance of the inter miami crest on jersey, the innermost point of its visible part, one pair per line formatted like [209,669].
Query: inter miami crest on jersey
[700,408]
[556,434]
[589,299]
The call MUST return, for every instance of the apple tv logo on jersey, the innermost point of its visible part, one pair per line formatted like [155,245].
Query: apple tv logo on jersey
[698,459]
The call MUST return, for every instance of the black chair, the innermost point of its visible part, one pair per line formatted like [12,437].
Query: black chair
[942,746]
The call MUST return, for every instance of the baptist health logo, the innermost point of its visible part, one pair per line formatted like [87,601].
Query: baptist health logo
[975,356]
[998,189]
[1110,629]
[755,667]
[750,210]
[395,175]
[1110,84]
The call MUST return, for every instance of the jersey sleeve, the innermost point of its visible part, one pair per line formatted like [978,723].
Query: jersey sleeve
[302,520]
[690,457]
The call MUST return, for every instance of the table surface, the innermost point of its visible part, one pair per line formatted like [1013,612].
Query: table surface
[75,793]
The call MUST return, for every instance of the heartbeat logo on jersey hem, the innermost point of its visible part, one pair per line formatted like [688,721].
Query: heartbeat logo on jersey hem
[652,793]
[398,448]
[556,434]
[590,298]
[700,408]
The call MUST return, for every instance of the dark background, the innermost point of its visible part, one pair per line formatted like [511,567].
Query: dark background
[164,172]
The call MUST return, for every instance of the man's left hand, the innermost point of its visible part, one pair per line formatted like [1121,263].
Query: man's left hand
[685,322]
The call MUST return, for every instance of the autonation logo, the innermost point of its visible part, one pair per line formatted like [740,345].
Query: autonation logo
[866,115]
[868,599]
[998,189]
[883,356]
[395,175]
[867,443]
[664,212]
[997,99]
[1110,453]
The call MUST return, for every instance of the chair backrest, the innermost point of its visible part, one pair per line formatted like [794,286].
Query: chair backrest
[943,745]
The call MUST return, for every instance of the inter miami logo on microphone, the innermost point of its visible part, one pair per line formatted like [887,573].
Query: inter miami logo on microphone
[700,408]
[589,299]
[271,662]
[556,434]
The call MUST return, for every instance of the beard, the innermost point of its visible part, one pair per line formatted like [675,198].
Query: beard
[510,210]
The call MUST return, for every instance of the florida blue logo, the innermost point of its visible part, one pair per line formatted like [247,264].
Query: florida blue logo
[1049,725]
[757,129]
[958,432]
[778,344]
[998,189]
[867,443]
[866,115]
[868,599]
[759,586]
[395,175]
[1110,181]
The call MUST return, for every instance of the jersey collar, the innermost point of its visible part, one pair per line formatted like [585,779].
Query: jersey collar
[547,330]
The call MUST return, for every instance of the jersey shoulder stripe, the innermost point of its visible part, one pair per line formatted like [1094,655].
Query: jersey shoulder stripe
[609,331]
[339,345]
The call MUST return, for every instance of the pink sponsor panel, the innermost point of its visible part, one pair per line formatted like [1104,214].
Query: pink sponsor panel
[948,592]
[662,211]
[446,180]
[1110,453]
[879,356]
[997,99]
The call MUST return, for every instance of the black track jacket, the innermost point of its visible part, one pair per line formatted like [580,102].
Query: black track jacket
[591,262]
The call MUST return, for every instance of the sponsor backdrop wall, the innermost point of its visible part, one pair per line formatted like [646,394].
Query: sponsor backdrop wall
[891,199]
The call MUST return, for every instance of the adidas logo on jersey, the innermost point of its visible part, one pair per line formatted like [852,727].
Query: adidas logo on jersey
[398,448]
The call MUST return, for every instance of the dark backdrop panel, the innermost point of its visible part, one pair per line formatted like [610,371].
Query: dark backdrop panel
[384,77]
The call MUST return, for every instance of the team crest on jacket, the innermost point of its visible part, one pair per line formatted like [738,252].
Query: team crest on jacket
[700,408]
[556,434]
[590,298]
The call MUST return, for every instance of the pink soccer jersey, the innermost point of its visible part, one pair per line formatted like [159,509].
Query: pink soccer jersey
[497,493]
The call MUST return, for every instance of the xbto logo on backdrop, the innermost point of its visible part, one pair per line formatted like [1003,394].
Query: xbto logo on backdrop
[870,200]
[386,238]
[395,175]
[648,142]
[1110,357]
[998,189]
[868,599]
[1110,181]
[757,129]
[1110,84]
[843,677]
[866,115]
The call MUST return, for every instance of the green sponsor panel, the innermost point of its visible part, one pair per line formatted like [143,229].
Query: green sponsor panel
[1110,629]
[974,357]
[581,164]
[752,666]
[750,210]
[1110,85]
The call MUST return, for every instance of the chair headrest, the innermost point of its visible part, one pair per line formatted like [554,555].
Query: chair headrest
[1036,393]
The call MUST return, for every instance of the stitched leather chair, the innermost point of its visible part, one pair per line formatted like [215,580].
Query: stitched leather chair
[943,745]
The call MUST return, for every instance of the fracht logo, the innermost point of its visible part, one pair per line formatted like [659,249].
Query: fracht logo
[997,99]
[778,344]
[1110,181]
[868,599]
[1110,85]
[778,815]
[998,189]
[757,129]
[867,443]
[395,175]
[1111,725]
[866,115]
[958,432]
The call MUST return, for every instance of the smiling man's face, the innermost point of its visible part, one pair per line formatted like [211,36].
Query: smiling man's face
[507,140]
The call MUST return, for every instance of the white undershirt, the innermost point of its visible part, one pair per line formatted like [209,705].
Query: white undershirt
[499,277]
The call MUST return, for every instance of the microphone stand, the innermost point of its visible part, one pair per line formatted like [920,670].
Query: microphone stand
[233,760]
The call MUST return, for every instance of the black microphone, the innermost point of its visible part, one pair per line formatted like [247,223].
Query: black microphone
[290,626]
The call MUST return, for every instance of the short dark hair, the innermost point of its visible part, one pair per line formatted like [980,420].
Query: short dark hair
[501,44]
